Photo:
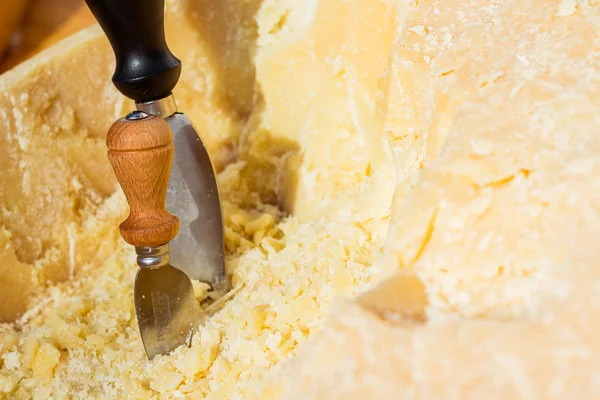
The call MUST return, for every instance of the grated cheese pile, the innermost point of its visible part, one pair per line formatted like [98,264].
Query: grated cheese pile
[83,341]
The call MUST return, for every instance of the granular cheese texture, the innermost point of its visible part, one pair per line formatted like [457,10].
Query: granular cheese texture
[305,196]
[84,341]
[490,275]
[409,193]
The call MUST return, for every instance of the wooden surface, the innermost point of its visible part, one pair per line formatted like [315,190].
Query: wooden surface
[46,22]
[141,153]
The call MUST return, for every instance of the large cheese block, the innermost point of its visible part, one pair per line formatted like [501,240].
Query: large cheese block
[490,272]
[429,164]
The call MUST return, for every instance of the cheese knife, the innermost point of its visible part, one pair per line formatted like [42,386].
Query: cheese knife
[140,150]
[159,183]
[146,72]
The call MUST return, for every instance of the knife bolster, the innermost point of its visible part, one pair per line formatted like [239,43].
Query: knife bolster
[153,257]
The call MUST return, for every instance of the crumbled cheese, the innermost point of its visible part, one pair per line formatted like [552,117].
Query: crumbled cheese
[45,360]
[302,166]
[447,37]
[12,360]
[166,382]
[566,8]
[419,30]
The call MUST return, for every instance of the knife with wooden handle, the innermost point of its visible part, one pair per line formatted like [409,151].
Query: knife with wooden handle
[146,71]
[140,150]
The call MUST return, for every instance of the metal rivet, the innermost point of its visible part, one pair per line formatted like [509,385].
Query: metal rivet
[136,115]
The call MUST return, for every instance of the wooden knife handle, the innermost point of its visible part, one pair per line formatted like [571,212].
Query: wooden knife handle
[140,150]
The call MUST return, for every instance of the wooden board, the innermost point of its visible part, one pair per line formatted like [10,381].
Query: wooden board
[45,23]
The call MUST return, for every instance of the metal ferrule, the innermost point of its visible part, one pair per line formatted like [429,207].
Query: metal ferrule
[153,257]
[164,107]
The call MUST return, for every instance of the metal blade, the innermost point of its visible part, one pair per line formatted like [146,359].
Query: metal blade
[193,195]
[167,310]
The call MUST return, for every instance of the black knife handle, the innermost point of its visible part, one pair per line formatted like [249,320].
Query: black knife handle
[146,69]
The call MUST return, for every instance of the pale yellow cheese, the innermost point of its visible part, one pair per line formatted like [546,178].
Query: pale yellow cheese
[318,67]
[491,261]
[333,174]
[478,117]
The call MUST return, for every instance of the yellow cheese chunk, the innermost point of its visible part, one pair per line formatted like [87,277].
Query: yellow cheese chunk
[45,360]
[490,266]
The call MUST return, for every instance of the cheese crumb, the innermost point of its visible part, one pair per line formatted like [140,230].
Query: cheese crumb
[45,360]
[566,8]
[166,382]
[12,360]
[419,30]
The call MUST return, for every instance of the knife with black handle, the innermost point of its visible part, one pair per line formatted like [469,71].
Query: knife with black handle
[147,72]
